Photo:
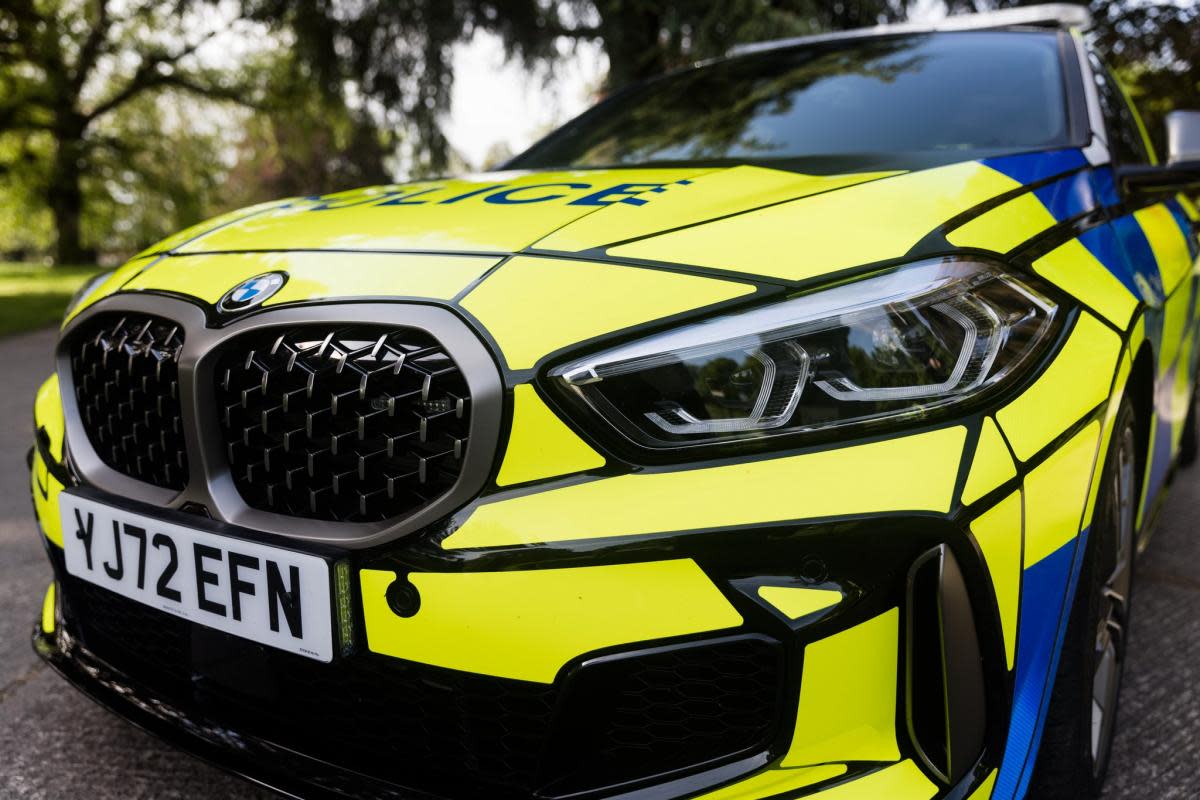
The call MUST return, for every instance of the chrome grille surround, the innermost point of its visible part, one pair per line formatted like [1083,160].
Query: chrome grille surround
[211,482]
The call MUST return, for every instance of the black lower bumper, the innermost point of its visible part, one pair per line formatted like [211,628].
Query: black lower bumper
[651,720]
[377,727]
[289,773]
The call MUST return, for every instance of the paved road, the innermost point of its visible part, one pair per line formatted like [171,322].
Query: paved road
[56,744]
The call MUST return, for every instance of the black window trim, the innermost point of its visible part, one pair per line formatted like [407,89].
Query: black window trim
[1079,125]
[1099,69]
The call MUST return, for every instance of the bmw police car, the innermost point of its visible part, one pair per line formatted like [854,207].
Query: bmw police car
[783,426]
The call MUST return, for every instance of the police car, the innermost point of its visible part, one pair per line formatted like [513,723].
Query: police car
[782,426]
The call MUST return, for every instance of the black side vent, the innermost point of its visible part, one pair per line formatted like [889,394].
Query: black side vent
[945,682]
[665,711]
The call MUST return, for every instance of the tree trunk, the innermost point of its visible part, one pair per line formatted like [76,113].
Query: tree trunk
[630,33]
[65,198]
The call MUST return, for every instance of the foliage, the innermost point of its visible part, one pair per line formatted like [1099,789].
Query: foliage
[385,66]
[68,66]
[26,227]
[121,120]
[1155,50]
[648,37]
[159,175]
[300,141]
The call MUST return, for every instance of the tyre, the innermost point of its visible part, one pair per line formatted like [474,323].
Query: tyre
[1081,721]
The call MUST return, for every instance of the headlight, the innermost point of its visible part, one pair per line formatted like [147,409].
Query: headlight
[897,345]
[86,289]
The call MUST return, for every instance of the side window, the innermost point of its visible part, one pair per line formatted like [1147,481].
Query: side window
[1124,134]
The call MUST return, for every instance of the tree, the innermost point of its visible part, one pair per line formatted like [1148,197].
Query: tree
[387,62]
[300,140]
[386,65]
[1155,50]
[67,66]
[348,93]
[646,37]
[26,229]
[156,176]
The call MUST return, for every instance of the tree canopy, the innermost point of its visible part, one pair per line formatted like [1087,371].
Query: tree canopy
[121,120]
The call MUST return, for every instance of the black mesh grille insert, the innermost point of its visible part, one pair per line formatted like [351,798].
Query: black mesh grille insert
[351,423]
[452,734]
[668,711]
[126,374]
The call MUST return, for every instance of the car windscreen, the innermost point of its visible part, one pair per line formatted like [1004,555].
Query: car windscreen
[896,101]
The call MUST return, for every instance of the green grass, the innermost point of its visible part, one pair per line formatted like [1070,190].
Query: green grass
[34,296]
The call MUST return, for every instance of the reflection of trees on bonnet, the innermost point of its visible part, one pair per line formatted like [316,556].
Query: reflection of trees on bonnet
[708,113]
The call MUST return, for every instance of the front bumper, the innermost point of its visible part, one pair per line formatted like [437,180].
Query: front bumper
[286,772]
[769,696]
[538,664]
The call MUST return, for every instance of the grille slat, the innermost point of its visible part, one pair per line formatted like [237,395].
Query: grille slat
[352,423]
[126,374]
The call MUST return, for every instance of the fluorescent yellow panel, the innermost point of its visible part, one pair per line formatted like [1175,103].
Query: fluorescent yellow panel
[458,215]
[908,473]
[1076,382]
[903,781]
[111,284]
[999,532]
[48,610]
[1006,226]
[1137,337]
[709,196]
[319,275]
[847,706]
[48,414]
[772,782]
[45,490]
[1168,243]
[991,466]
[1072,267]
[1109,422]
[535,306]
[187,234]
[984,792]
[795,602]
[1189,208]
[1177,325]
[526,625]
[817,235]
[1056,494]
[540,444]
[1144,503]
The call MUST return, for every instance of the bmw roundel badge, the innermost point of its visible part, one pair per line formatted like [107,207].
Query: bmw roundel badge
[252,292]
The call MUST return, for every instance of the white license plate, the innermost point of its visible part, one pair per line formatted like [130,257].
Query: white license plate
[266,594]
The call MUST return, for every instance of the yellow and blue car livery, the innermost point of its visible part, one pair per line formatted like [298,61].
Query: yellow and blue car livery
[873,610]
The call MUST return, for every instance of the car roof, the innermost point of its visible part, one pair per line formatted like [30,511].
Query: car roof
[1048,16]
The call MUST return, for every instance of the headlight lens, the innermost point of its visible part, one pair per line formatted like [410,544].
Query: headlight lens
[895,345]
